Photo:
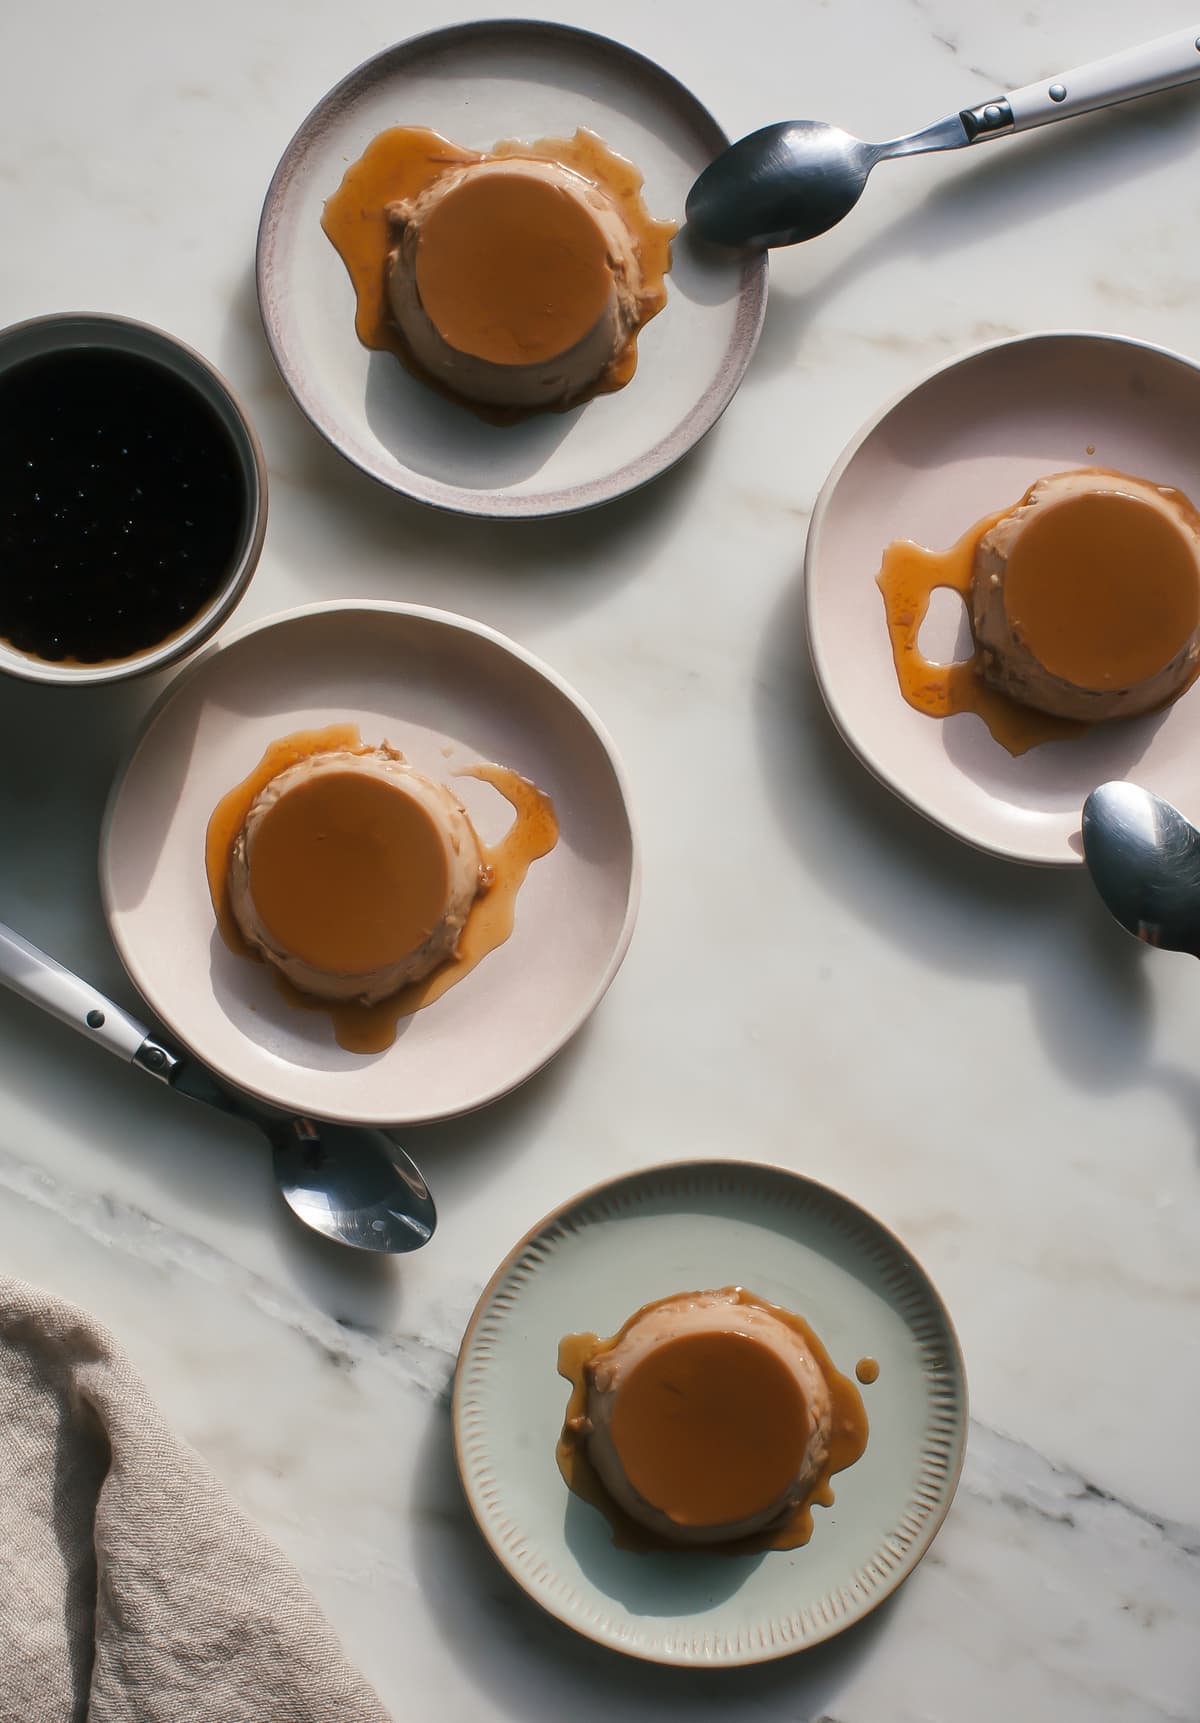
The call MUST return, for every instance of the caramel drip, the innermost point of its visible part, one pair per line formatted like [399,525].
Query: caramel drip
[395,167]
[908,578]
[372,1028]
[577,1353]
[401,163]
[867,1370]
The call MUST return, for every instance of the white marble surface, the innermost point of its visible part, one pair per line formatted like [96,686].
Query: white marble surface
[971,1050]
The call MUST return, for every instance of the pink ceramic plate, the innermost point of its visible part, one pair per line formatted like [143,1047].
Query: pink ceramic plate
[967,440]
[448,692]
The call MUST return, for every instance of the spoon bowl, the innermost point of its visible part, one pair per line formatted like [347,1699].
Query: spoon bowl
[1144,860]
[783,184]
[353,1184]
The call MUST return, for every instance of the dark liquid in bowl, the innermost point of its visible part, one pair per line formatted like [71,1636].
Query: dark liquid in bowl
[121,505]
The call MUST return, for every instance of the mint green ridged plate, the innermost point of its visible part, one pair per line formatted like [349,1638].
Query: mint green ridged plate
[680,1228]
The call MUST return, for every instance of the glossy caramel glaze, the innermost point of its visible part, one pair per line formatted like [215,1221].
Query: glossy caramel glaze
[401,163]
[907,580]
[372,1028]
[1100,589]
[696,1476]
[348,874]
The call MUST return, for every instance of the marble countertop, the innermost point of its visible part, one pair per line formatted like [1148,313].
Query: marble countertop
[970,1049]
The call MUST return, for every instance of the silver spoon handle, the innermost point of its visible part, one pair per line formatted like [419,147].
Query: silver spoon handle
[36,977]
[1141,71]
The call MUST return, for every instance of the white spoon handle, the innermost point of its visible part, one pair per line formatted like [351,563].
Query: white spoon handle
[1158,65]
[68,997]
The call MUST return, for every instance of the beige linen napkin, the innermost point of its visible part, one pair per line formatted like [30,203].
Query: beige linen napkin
[132,1590]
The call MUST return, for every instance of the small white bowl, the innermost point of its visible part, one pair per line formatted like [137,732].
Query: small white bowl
[65,331]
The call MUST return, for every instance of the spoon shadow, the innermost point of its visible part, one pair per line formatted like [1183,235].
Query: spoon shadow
[983,194]
[560,567]
[968,914]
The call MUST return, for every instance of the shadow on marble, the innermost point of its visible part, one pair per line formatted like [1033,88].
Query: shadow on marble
[968,913]
[462,1156]
[363,1290]
[124,1122]
[551,569]
[529,1667]
[49,894]
[124,1130]
[359,1289]
[990,190]
[63,746]
[210,1163]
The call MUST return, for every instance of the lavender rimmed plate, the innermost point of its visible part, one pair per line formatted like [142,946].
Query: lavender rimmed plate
[478,83]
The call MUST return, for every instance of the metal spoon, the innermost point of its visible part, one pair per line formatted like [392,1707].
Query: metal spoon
[347,1181]
[792,181]
[1144,859]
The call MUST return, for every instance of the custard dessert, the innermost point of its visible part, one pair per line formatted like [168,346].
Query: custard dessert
[363,883]
[514,281]
[353,874]
[1084,601]
[711,1419]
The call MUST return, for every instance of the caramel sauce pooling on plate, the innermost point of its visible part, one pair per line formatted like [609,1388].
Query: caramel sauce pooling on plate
[553,285]
[1100,588]
[867,1370]
[347,926]
[710,1429]
[909,577]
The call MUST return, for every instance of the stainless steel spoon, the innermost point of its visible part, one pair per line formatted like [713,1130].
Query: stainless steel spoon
[1144,859]
[347,1181]
[792,181]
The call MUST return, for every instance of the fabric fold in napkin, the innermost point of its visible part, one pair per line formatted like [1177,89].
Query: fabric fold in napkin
[132,1589]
